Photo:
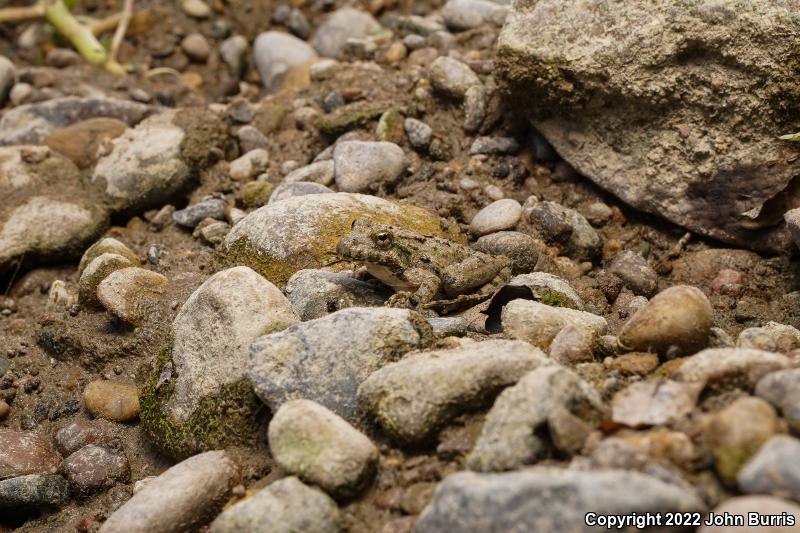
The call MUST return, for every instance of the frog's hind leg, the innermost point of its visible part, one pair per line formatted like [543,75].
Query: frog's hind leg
[462,301]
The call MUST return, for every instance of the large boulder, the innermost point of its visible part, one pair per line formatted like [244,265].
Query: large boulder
[675,109]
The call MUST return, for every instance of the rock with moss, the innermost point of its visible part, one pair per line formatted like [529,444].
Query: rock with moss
[106,245]
[321,448]
[198,396]
[351,116]
[97,271]
[328,358]
[157,159]
[301,232]
[415,397]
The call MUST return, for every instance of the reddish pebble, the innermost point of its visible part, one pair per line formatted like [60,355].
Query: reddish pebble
[728,282]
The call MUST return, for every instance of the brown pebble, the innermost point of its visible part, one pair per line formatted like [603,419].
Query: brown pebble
[639,363]
[112,400]
[4,409]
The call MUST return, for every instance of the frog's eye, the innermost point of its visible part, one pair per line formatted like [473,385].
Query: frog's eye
[383,239]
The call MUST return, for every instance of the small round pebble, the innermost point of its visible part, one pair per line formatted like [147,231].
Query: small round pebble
[497,216]
[196,8]
[196,47]
[112,400]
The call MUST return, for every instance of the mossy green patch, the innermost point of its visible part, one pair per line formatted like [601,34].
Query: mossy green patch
[350,117]
[256,193]
[554,299]
[229,418]
[731,459]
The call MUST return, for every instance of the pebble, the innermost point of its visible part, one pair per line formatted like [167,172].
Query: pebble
[551,498]
[762,506]
[731,367]
[539,324]
[678,318]
[61,295]
[208,357]
[78,434]
[415,397]
[97,271]
[598,213]
[476,102]
[112,400]
[23,453]
[33,491]
[285,506]
[564,226]
[192,215]
[196,47]
[4,409]
[633,363]
[461,15]
[541,287]
[7,77]
[233,52]
[184,498]
[250,139]
[520,248]
[494,146]
[81,142]
[298,24]
[317,293]
[196,8]
[792,218]
[500,215]
[336,354]
[340,26]
[107,245]
[419,134]
[737,432]
[249,165]
[315,444]
[776,337]
[396,52]
[131,293]
[452,77]
[361,166]
[774,470]
[782,390]
[414,41]
[573,345]
[241,111]
[19,93]
[654,402]
[512,435]
[321,172]
[275,53]
[635,273]
[95,468]
[728,282]
[62,58]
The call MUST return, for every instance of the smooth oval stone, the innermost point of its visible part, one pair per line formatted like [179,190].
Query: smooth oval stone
[112,400]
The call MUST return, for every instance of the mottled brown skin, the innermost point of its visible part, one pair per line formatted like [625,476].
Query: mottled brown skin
[425,271]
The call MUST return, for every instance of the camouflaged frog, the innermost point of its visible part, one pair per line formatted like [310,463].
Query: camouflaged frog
[427,272]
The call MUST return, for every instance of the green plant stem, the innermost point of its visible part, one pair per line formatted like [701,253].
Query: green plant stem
[80,36]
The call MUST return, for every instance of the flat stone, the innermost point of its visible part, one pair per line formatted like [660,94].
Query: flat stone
[654,402]
[81,141]
[321,448]
[361,166]
[195,213]
[510,436]
[205,363]
[112,400]
[494,146]
[182,499]
[498,216]
[132,293]
[23,453]
[316,293]
[95,468]
[538,323]
[736,366]
[33,491]
[415,397]
[550,498]
[285,506]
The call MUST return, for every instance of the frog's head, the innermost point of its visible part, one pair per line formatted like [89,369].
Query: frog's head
[369,242]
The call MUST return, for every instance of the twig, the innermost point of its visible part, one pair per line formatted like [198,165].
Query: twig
[122,28]
[76,33]
[11,14]
[104,25]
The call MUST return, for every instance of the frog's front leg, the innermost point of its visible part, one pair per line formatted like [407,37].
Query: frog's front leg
[427,284]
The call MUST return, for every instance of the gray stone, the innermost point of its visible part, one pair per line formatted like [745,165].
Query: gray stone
[550,499]
[736,366]
[321,448]
[250,139]
[520,248]
[321,172]
[773,337]
[33,491]
[500,215]
[195,213]
[328,358]
[182,499]
[415,397]
[460,15]
[362,166]
[316,293]
[476,101]
[538,323]
[494,145]
[23,453]
[233,51]
[7,76]
[449,326]
[511,436]
[792,219]
[635,272]
[249,165]
[94,468]
[419,134]
[654,403]
[298,24]
[452,77]
[285,506]
[562,225]
[593,82]
[276,53]
[196,47]
[297,188]
[341,25]
[30,124]
[774,470]
[206,361]
[782,390]
[301,232]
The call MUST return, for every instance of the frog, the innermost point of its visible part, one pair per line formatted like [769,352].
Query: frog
[426,271]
